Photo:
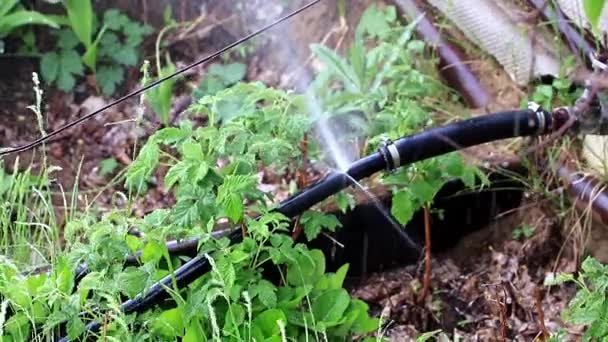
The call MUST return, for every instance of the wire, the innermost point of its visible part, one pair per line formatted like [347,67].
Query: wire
[45,138]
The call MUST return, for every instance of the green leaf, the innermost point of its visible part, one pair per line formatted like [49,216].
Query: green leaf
[329,307]
[423,190]
[306,269]
[114,19]
[345,201]
[177,172]
[90,56]
[153,252]
[229,73]
[233,207]
[75,328]
[132,281]
[339,66]
[128,56]
[593,11]
[18,326]
[109,77]
[314,222]
[194,332]
[134,243]
[70,62]
[161,95]
[192,150]
[64,276]
[376,22]
[267,322]
[49,66]
[337,279]
[402,207]
[6,6]
[170,323]
[267,293]
[107,166]
[80,13]
[12,21]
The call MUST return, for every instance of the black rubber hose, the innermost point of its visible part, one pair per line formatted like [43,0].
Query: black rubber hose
[417,147]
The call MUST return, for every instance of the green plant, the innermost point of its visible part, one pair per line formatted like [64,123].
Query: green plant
[212,171]
[524,231]
[589,307]
[14,15]
[593,11]
[383,84]
[108,50]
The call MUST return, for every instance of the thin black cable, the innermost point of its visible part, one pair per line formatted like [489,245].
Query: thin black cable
[43,139]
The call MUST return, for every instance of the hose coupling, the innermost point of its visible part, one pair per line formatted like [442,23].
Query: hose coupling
[391,155]
[541,118]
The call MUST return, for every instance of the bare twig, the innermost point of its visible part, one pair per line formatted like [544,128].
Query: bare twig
[541,314]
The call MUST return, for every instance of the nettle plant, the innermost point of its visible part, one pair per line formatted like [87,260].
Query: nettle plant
[106,47]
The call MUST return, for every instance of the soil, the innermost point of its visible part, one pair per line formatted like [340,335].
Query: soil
[486,288]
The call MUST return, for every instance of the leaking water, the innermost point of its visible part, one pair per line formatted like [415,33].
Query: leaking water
[394,224]
[330,145]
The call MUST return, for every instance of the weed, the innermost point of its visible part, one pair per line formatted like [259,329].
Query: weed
[524,231]
[108,50]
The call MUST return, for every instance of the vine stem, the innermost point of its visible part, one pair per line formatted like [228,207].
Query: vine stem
[427,256]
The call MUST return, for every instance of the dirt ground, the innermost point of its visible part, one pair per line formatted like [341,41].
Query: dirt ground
[487,288]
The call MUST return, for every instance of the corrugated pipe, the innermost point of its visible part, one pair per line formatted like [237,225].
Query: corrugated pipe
[452,67]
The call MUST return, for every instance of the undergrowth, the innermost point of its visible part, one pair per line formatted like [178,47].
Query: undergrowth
[267,287]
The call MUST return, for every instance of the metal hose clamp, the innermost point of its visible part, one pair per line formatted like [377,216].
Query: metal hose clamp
[540,116]
[391,156]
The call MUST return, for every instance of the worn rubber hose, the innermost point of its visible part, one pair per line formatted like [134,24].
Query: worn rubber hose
[417,147]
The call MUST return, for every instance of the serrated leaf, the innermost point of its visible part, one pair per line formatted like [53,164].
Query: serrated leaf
[267,293]
[229,73]
[192,150]
[339,67]
[423,190]
[49,66]
[109,77]
[345,201]
[114,19]
[177,172]
[314,222]
[152,252]
[70,62]
[402,207]
[132,281]
[233,207]
[133,242]
[127,55]
[171,135]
